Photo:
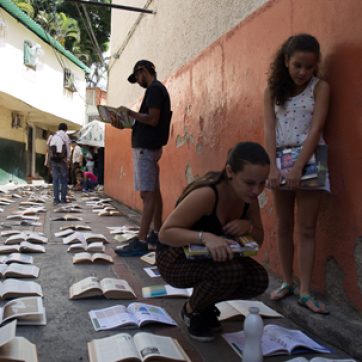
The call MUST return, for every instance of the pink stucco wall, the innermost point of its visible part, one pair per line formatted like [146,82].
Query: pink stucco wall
[217,101]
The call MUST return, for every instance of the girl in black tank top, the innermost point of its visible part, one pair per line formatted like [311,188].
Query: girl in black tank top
[212,210]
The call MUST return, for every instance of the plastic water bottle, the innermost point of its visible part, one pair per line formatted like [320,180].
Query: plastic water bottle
[253,331]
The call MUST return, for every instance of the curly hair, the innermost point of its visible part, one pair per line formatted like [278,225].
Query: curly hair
[280,83]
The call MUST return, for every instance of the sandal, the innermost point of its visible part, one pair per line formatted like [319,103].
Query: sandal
[311,303]
[283,291]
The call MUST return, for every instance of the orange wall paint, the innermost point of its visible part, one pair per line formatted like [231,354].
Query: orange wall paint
[217,101]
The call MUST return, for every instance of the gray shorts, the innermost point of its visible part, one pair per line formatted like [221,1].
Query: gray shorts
[146,169]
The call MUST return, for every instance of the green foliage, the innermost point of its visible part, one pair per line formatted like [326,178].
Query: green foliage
[62,20]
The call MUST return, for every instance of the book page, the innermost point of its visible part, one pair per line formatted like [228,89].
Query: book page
[75,238]
[149,258]
[96,247]
[242,306]
[121,286]
[20,258]
[111,349]
[27,306]
[19,349]
[3,268]
[7,333]
[5,249]
[21,270]
[147,313]
[151,345]
[13,288]
[287,339]
[79,257]
[91,238]
[152,272]
[84,286]
[101,257]
[112,317]
[29,247]
[64,233]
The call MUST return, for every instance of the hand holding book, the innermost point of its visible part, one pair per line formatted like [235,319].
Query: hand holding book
[118,117]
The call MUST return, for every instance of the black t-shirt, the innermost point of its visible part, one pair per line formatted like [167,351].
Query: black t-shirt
[145,136]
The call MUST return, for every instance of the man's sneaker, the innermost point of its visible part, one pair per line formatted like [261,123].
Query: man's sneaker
[196,326]
[134,248]
[211,315]
[152,240]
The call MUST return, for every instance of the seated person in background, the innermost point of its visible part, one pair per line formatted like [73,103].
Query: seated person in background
[88,181]
[214,206]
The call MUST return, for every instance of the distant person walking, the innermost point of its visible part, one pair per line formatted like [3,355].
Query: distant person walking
[296,105]
[59,155]
[149,134]
[76,163]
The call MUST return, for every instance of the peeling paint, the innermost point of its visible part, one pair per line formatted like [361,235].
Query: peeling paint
[122,172]
[185,139]
[188,174]
[262,199]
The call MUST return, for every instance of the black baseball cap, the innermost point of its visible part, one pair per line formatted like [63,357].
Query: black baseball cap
[139,65]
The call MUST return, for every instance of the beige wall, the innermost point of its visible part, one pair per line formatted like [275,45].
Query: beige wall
[179,31]
[6,131]
[41,90]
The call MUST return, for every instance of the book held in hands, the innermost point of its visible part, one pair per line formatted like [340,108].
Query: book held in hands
[136,314]
[141,347]
[277,340]
[111,288]
[120,115]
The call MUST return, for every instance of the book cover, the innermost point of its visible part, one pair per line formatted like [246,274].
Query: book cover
[120,114]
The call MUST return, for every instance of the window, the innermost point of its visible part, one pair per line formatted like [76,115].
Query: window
[31,54]
[68,80]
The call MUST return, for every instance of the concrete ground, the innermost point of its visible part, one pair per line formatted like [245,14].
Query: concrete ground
[69,328]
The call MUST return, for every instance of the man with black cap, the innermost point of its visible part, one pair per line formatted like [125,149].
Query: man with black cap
[149,134]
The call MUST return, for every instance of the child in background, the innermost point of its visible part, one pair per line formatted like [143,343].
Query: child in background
[89,181]
[217,205]
[296,105]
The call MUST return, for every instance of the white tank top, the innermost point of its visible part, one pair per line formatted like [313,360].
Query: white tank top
[294,118]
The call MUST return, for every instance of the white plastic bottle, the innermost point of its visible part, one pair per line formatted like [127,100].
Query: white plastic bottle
[253,332]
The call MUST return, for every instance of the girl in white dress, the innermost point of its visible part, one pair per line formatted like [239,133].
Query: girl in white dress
[296,105]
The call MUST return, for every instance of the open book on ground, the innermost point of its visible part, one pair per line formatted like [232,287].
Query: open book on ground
[31,210]
[109,213]
[75,227]
[104,208]
[278,340]
[158,291]
[111,288]
[29,236]
[13,288]
[97,247]
[141,347]
[22,217]
[236,309]
[120,114]
[65,231]
[67,217]
[244,246]
[23,247]
[149,258]
[16,258]
[136,314]
[14,348]
[123,239]
[79,237]
[152,272]
[123,229]
[27,310]
[92,258]
[68,210]
[11,232]
[17,270]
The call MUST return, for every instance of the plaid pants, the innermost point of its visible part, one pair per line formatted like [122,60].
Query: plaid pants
[213,282]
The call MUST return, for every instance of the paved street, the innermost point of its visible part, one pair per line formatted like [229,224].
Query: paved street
[69,328]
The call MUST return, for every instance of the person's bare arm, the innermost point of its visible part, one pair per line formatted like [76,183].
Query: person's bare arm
[322,94]
[270,141]
[176,229]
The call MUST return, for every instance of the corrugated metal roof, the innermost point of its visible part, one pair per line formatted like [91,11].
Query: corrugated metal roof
[13,10]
